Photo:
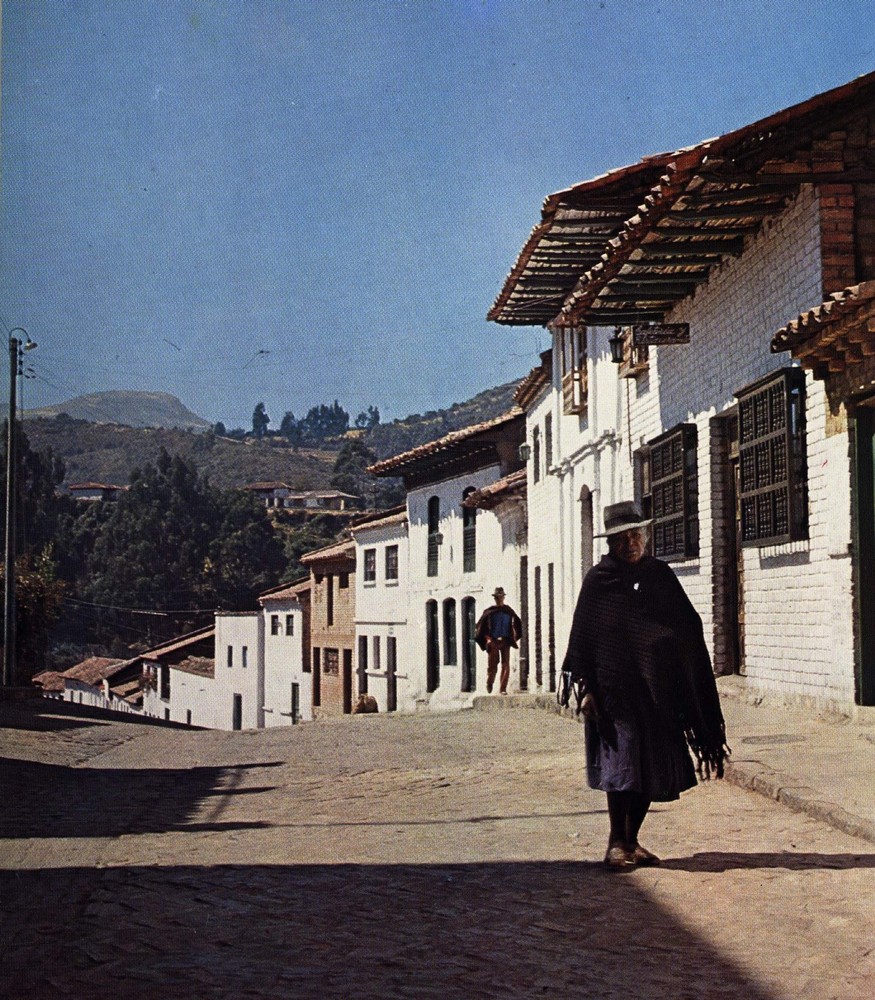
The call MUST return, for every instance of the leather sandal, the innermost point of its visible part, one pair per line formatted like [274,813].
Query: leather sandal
[619,858]
[643,857]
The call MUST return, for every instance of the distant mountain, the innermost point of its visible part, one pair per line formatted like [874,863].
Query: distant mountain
[127,407]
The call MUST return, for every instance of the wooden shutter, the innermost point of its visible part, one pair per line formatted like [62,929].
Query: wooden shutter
[674,493]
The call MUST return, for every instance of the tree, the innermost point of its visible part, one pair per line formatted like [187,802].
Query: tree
[246,556]
[260,421]
[367,421]
[38,596]
[350,475]
[219,429]
[291,429]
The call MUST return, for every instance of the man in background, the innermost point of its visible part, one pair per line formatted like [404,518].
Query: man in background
[498,631]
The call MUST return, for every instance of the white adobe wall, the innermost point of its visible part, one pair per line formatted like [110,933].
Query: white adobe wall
[284,665]
[381,610]
[497,564]
[587,451]
[197,694]
[799,620]
[239,630]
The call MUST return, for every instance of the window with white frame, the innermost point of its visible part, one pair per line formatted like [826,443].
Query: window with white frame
[370,573]
[391,562]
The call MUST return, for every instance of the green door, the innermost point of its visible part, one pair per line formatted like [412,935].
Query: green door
[865,552]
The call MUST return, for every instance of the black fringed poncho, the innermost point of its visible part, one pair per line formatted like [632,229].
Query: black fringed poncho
[637,643]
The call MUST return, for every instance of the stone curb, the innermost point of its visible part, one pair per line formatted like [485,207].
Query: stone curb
[784,788]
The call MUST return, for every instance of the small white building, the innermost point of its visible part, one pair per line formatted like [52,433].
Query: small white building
[458,555]
[288,681]
[239,674]
[383,654]
[177,679]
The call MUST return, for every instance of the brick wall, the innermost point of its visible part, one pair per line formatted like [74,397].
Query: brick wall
[798,636]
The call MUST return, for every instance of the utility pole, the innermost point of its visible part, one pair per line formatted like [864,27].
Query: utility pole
[9,636]
[16,353]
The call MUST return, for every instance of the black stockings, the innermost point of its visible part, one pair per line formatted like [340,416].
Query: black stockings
[627,811]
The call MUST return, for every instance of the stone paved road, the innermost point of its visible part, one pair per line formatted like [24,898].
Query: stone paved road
[449,856]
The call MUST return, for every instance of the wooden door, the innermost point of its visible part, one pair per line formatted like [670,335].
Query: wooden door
[864,568]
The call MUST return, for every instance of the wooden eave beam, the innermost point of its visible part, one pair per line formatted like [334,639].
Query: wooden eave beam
[676,260]
[686,214]
[617,317]
[642,295]
[728,229]
[693,247]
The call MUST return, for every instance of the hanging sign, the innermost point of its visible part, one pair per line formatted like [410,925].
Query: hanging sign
[655,334]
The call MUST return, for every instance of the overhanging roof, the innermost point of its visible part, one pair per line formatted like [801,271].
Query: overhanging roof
[835,334]
[467,440]
[626,246]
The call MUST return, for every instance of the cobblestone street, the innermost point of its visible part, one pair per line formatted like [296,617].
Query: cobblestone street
[452,856]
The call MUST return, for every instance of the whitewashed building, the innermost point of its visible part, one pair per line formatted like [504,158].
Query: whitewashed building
[288,681]
[177,679]
[457,555]
[687,265]
[239,674]
[382,604]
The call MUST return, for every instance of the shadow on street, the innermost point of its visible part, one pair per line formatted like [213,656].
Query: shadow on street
[455,932]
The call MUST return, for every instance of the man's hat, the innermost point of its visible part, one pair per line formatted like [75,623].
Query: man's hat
[622,516]
[498,591]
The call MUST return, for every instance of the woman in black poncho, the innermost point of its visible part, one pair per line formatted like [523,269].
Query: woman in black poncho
[650,697]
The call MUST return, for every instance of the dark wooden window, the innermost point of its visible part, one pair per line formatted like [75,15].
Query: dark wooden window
[290,624]
[434,536]
[772,459]
[274,624]
[450,651]
[370,565]
[165,682]
[377,664]
[536,454]
[331,662]
[548,441]
[674,493]
[575,379]
[230,656]
[469,535]
[391,562]
[329,599]
[343,581]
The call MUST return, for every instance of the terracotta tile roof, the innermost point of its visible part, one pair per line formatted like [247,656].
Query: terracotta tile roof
[532,385]
[625,247]
[285,591]
[389,465]
[95,669]
[130,691]
[203,666]
[190,639]
[838,332]
[388,520]
[49,680]
[266,486]
[337,550]
[96,486]
[495,493]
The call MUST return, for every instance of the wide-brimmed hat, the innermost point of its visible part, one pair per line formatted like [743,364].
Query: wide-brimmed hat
[622,516]
[499,591]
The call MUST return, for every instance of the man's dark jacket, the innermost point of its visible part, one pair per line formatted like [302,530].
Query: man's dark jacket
[482,632]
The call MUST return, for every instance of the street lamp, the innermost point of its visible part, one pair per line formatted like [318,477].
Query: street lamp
[16,354]
[616,345]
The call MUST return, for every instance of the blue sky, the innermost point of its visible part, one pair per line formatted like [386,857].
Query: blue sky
[301,201]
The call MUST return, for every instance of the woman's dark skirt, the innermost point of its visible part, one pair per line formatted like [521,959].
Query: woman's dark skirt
[622,755]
